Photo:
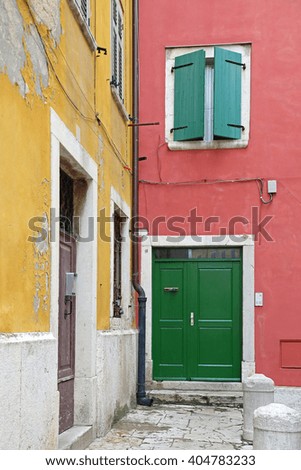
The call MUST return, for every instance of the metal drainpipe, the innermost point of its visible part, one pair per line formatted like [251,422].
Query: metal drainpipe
[142,399]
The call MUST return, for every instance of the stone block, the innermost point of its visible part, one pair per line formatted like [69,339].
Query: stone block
[277,427]
[258,390]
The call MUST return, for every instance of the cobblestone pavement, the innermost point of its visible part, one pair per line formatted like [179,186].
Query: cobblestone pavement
[176,427]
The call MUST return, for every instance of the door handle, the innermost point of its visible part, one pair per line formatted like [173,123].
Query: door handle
[68,299]
[70,292]
[191,319]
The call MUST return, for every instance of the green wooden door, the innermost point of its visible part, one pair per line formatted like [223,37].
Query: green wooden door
[197,320]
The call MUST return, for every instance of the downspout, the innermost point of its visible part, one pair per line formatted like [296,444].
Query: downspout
[142,399]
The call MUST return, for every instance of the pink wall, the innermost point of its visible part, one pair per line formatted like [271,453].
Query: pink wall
[273,27]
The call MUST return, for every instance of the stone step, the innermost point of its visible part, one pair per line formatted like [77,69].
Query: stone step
[76,438]
[197,397]
[190,385]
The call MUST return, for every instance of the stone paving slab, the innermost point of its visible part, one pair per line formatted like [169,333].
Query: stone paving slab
[176,427]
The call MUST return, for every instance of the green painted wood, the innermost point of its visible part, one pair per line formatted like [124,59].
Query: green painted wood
[211,348]
[217,343]
[189,96]
[168,322]
[227,94]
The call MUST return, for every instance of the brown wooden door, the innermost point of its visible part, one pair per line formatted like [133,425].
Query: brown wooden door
[66,337]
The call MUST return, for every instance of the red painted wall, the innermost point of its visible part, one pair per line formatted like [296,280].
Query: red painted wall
[273,27]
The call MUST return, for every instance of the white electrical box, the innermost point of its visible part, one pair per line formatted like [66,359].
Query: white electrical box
[258,299]
[272,186]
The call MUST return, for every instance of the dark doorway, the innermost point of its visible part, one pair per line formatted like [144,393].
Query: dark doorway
[67,306]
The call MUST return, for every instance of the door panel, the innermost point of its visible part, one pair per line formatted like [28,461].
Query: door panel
[169,326]
[198,327]
[66,339]
[217,347]
[214,292]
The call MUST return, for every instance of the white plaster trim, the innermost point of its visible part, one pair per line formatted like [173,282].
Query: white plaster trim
[71,144]
[171,53]
[63,142]
[201,145]
[126,319]
[25,337]
[120,43]
[120,202]
[119,103]
[129,332]
[246,242]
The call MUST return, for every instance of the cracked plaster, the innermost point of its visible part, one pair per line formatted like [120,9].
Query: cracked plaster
[21,47]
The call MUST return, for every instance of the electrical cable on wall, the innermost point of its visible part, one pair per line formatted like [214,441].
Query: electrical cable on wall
[96,118]
[53,69]
[260,185]
[259,181]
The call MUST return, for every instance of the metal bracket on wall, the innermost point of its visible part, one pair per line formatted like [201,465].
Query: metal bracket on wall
[238,126]
[180,66]
[101,49]
[236,63]
[137,124]
[177,129]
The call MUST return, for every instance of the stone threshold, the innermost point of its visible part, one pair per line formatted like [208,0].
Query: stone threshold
[200,398]
[195,386]
[76,438]
[197,393]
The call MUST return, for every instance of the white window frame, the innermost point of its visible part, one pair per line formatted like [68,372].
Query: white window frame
[126,320]
[171,53]
[83,20]
[115,30]
[84,8]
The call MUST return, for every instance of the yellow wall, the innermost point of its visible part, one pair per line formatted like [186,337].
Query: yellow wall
[115,133]
[25,155]
[25,193]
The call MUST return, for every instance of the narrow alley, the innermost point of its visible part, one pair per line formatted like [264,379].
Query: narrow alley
[164,427]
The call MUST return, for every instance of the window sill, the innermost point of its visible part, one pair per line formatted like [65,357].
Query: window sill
[214,145]
[120,105]
[83,25]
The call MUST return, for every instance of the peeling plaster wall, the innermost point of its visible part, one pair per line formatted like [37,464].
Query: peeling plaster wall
[48,13]
[12,53]
[41,269]
[34,33]
[38,59]
[30,31]
[21,46]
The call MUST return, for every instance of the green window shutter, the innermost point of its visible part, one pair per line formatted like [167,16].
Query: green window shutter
[189,71]
[227,94]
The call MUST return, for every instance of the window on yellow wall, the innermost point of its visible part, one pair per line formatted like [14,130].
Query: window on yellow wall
[81,10]
[119,223]
[84,8]
[117,48]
